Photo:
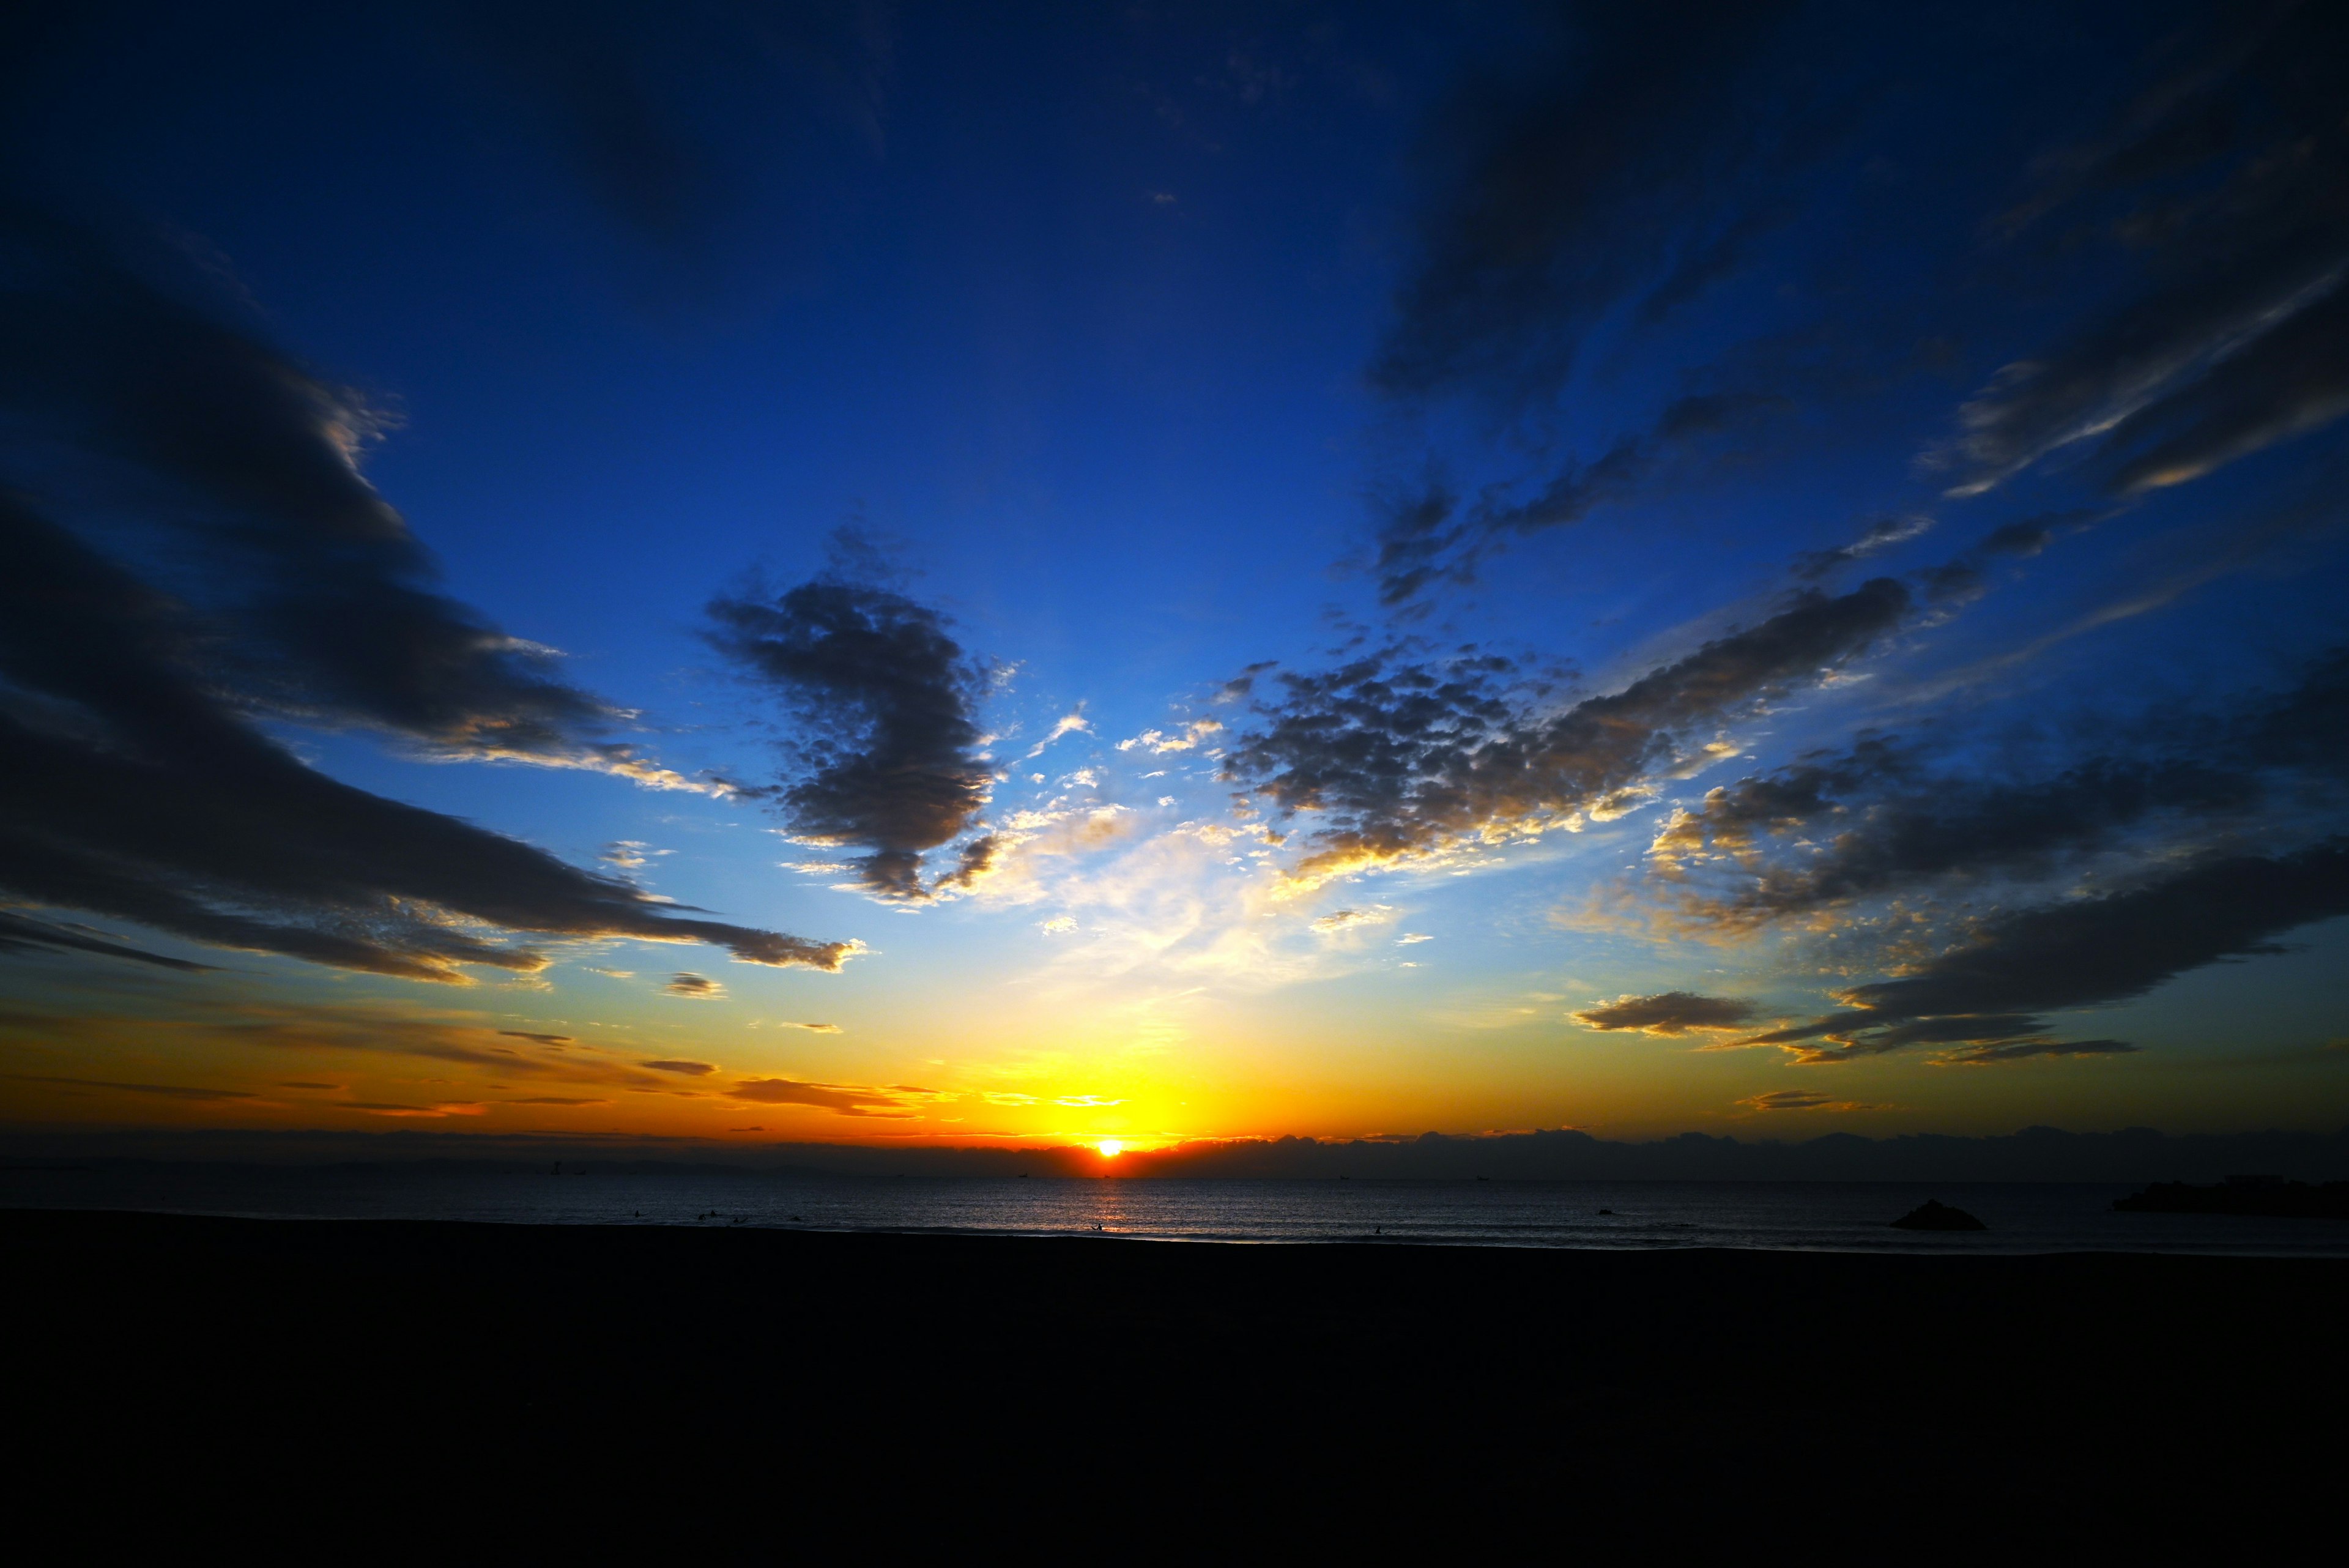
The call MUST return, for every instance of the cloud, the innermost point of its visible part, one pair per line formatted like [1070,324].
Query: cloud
[1183,740]
[1573,187]
[1983,993]
[552,1100]
[1058,925]
[22,933]
[887,704]
[685,982]
[329,600]
[1408,937]
[620,95]
[1912,829]
[683,1069]
[140,783]
[1067,724]
[816,1028]
[974,863]
[2088,951]
[1428,537]
[1238,687]
[2017,1051]
[1404,759]
[137,790]
[159,1091]
[542,1039]
[1877,537]
[1669,1013]
[1801,1100]
[2243,340]
[1337,920]
[845,1100]
[206,1023]
[1877,819]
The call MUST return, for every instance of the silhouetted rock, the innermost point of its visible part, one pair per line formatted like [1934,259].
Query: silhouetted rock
[2266,1198]
[1935,1215]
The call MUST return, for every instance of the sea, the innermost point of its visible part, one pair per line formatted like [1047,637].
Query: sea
[1846,1217]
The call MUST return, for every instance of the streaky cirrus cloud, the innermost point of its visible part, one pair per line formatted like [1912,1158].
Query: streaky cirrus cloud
[23,933]
[2228,174]
[888,703]
[1801,1100]
[846,1100]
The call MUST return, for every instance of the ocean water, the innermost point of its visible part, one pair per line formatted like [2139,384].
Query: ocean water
[1798,1216]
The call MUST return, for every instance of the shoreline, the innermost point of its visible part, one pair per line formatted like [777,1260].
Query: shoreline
[1633,1231]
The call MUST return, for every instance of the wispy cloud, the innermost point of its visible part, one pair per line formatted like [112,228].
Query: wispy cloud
[1067,724]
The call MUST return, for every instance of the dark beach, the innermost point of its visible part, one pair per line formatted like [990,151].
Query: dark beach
[260,1380]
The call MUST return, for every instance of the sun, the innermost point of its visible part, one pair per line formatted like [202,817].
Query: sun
[1111,1148]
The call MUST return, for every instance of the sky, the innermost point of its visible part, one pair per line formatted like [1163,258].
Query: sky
[1055,573]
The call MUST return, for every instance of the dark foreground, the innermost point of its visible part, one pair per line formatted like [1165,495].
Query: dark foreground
[355,1389]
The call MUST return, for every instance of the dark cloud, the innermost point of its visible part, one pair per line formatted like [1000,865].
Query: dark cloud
[318,600]
[21,933]
[1984,992]
[623,92]
[2289,381]
[687,983]
[689,1069]
[137,782]
[973,862]
[160,1090]
[888,704]
[2023,539]
[552,1100]
[1244,683]
[542,1039]
[1879,820]
[1610,166]
[1669,1013]
[1427,537]
[847,1100]
[2092,950]
[1403,759]
[1930,829]
[2229,177]
[2022,1050]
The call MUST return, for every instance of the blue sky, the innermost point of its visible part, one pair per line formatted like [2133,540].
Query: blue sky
[1854,495]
